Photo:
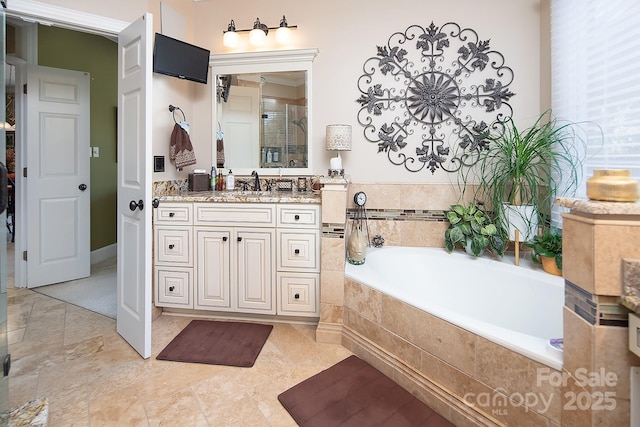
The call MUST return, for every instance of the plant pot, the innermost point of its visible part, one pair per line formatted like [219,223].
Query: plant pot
[549,265]
[522,218]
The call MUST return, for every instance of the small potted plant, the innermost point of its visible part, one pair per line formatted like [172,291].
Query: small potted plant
[471,228]
[547,249]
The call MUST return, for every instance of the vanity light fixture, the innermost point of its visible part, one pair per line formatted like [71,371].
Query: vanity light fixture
[338,139]
[230,38]
[258,34]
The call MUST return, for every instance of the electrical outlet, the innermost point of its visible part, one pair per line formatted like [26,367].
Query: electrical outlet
[96,151]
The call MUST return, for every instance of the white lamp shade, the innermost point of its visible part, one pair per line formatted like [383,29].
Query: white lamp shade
[257,37]
[339,137]
[283,35]
[231,39]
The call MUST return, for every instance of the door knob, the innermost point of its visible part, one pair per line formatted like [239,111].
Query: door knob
[82,187]
[133,205]
[224,238]
[171,288]
[172,246]
[156,203]
[297,251]
[297,296]
[239,239]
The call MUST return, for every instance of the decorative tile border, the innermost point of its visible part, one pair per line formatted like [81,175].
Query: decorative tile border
[333,231]
[401,214]
[598,310]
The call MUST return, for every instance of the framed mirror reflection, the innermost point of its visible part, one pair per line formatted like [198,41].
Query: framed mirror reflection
[262,111]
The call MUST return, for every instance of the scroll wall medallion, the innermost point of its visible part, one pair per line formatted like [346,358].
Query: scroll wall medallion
[430,97]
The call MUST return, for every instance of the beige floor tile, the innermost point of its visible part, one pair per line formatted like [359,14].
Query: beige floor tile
[91,376]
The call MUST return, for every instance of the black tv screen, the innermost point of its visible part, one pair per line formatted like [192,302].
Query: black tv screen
[176,58]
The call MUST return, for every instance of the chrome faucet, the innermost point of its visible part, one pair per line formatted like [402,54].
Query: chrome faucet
[256,185]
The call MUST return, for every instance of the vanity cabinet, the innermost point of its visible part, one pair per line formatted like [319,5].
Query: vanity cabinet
[235,247]
[173,255]
[298,277]
[258,258]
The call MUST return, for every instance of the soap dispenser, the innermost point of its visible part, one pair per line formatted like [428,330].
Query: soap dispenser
[231,182]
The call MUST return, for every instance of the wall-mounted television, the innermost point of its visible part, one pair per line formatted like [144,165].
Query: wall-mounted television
[176,58]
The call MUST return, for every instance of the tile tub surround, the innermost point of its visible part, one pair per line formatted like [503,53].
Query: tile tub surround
[601,240]
[466,378]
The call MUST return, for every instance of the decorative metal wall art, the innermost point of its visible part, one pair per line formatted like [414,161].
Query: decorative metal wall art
[431,95]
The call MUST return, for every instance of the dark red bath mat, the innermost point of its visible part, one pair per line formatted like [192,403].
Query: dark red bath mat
[217,343]
[354,393]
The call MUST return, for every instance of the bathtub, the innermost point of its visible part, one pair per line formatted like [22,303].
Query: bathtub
[517,307]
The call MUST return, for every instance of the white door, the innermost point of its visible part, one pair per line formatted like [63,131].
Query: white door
[134,185]
[57,176]
[239,125]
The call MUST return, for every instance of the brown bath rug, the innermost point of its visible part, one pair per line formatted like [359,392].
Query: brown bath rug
[217,343]
[354,393]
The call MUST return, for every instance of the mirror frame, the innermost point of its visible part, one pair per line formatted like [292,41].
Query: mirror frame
[264,62]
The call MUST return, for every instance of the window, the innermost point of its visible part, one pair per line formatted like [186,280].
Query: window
[595,57]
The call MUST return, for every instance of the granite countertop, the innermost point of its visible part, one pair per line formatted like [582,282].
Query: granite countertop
[596,207]
[239,196]
[631,284]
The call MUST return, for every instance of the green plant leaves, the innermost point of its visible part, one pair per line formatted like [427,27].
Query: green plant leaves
[471,224]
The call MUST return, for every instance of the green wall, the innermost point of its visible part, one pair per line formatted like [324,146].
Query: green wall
[61,48]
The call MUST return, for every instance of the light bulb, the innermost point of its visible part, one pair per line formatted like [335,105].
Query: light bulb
[231,39]
[257,37]
[283,35]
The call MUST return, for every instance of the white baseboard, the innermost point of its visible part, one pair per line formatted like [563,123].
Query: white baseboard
[104,253]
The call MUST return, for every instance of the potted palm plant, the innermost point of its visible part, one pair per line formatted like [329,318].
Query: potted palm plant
[547,249]
[521,172]
[471,228]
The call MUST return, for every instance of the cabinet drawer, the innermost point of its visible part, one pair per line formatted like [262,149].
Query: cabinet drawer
[298,216]
[231,214]
[174,213]
[298,250]
[298,294]
[173,245]
[174,287]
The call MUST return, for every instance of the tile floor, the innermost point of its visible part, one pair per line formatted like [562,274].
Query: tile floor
[91,376]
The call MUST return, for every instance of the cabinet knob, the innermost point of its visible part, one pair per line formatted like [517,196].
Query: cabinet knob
[171,288]
[224,238]
[172,246]
[297,251]
[297,217]
[297,296]
[171,214]
[239,239]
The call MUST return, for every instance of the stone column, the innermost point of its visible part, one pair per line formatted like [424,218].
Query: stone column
[597,361]
[334,211]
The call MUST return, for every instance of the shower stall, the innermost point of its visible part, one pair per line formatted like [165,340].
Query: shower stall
[284,134]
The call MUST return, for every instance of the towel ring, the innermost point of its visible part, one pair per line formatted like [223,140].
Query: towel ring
[173,110]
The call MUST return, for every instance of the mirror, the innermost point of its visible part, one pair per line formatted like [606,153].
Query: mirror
[262,111]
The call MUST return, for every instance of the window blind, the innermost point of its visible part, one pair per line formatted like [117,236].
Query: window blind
[595,62]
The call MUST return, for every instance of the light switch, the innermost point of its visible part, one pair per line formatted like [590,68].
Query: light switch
[96,151]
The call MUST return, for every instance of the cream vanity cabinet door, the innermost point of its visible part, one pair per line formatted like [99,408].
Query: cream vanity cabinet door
[213,277]
[173,255]
[235,265]
[255,261]
[298,260]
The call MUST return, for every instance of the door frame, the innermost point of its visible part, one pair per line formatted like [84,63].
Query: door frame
[46,14]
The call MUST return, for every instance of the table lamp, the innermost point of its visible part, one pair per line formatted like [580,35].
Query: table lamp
[338,139]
